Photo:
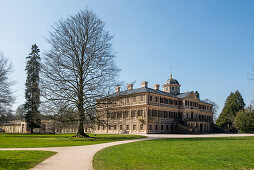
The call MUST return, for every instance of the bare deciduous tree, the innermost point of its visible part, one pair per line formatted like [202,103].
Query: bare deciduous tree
[80,64]
[6,97]
[214,108]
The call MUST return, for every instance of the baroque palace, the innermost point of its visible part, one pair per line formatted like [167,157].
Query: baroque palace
[147,110]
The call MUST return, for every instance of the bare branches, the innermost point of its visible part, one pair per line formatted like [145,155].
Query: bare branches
[6,98]
[80,65]
[215,108]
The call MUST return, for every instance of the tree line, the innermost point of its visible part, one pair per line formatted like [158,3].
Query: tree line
[235,116]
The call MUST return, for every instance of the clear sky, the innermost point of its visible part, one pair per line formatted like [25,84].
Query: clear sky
[209,43]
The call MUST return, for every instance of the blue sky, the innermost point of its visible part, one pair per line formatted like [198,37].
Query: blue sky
[208,43]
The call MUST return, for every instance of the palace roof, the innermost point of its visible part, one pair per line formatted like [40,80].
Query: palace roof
[172,81]
[149,90]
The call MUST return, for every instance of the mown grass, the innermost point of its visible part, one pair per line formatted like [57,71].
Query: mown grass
[191,153]
[22,159]
[57,140]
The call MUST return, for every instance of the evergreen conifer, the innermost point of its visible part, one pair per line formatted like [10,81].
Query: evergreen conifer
[32,91]
[233,104]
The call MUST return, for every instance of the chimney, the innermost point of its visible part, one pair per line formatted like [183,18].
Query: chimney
[144,84]
[117,89]
[129,86]
[156,87]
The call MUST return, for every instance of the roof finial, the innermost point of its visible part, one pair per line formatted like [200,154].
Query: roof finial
[170,76]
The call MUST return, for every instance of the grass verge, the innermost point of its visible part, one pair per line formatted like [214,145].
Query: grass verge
[58,140]
[22,159]
[190,153]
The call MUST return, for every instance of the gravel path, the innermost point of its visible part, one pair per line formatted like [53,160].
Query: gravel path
[72,157]
[81,157]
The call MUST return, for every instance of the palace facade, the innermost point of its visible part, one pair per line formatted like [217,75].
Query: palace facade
[151,110]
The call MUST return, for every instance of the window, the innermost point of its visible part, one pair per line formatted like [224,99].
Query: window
[141,126]
[140,113]
[113,115]
[161,114]
[133,113]
[127,100]
[166,101]
[134,127]
[98,127]
[161,127]
[173,88]
[166,88]
[114,127]
[166,127]
[150,127]
[151,98]
[149,113]
[170,101]
[165,114]
[156,99]
[142,98]
[109,127]
[155,114]
[44,127]
[127,127]
[126,114]
[180,115]
[121,127]
[156,127]
[119,115]
[161,100]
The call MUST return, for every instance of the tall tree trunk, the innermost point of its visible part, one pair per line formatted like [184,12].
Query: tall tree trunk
[32,130]
[81,112]
[81,123]
[81,132]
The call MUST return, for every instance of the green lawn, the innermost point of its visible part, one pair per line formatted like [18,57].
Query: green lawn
[22,159]
[52,140]
[191,153]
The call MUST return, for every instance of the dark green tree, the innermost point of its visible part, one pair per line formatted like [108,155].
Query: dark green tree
[32,91]
[233,104]
[244,120]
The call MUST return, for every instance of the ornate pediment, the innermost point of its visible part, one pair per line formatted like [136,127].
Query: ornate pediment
[192,95]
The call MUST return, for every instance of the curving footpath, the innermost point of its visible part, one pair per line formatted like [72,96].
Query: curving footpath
[81,157]
[72,157]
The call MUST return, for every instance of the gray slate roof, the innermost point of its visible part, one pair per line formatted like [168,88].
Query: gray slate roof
[172,81]
[149,90]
